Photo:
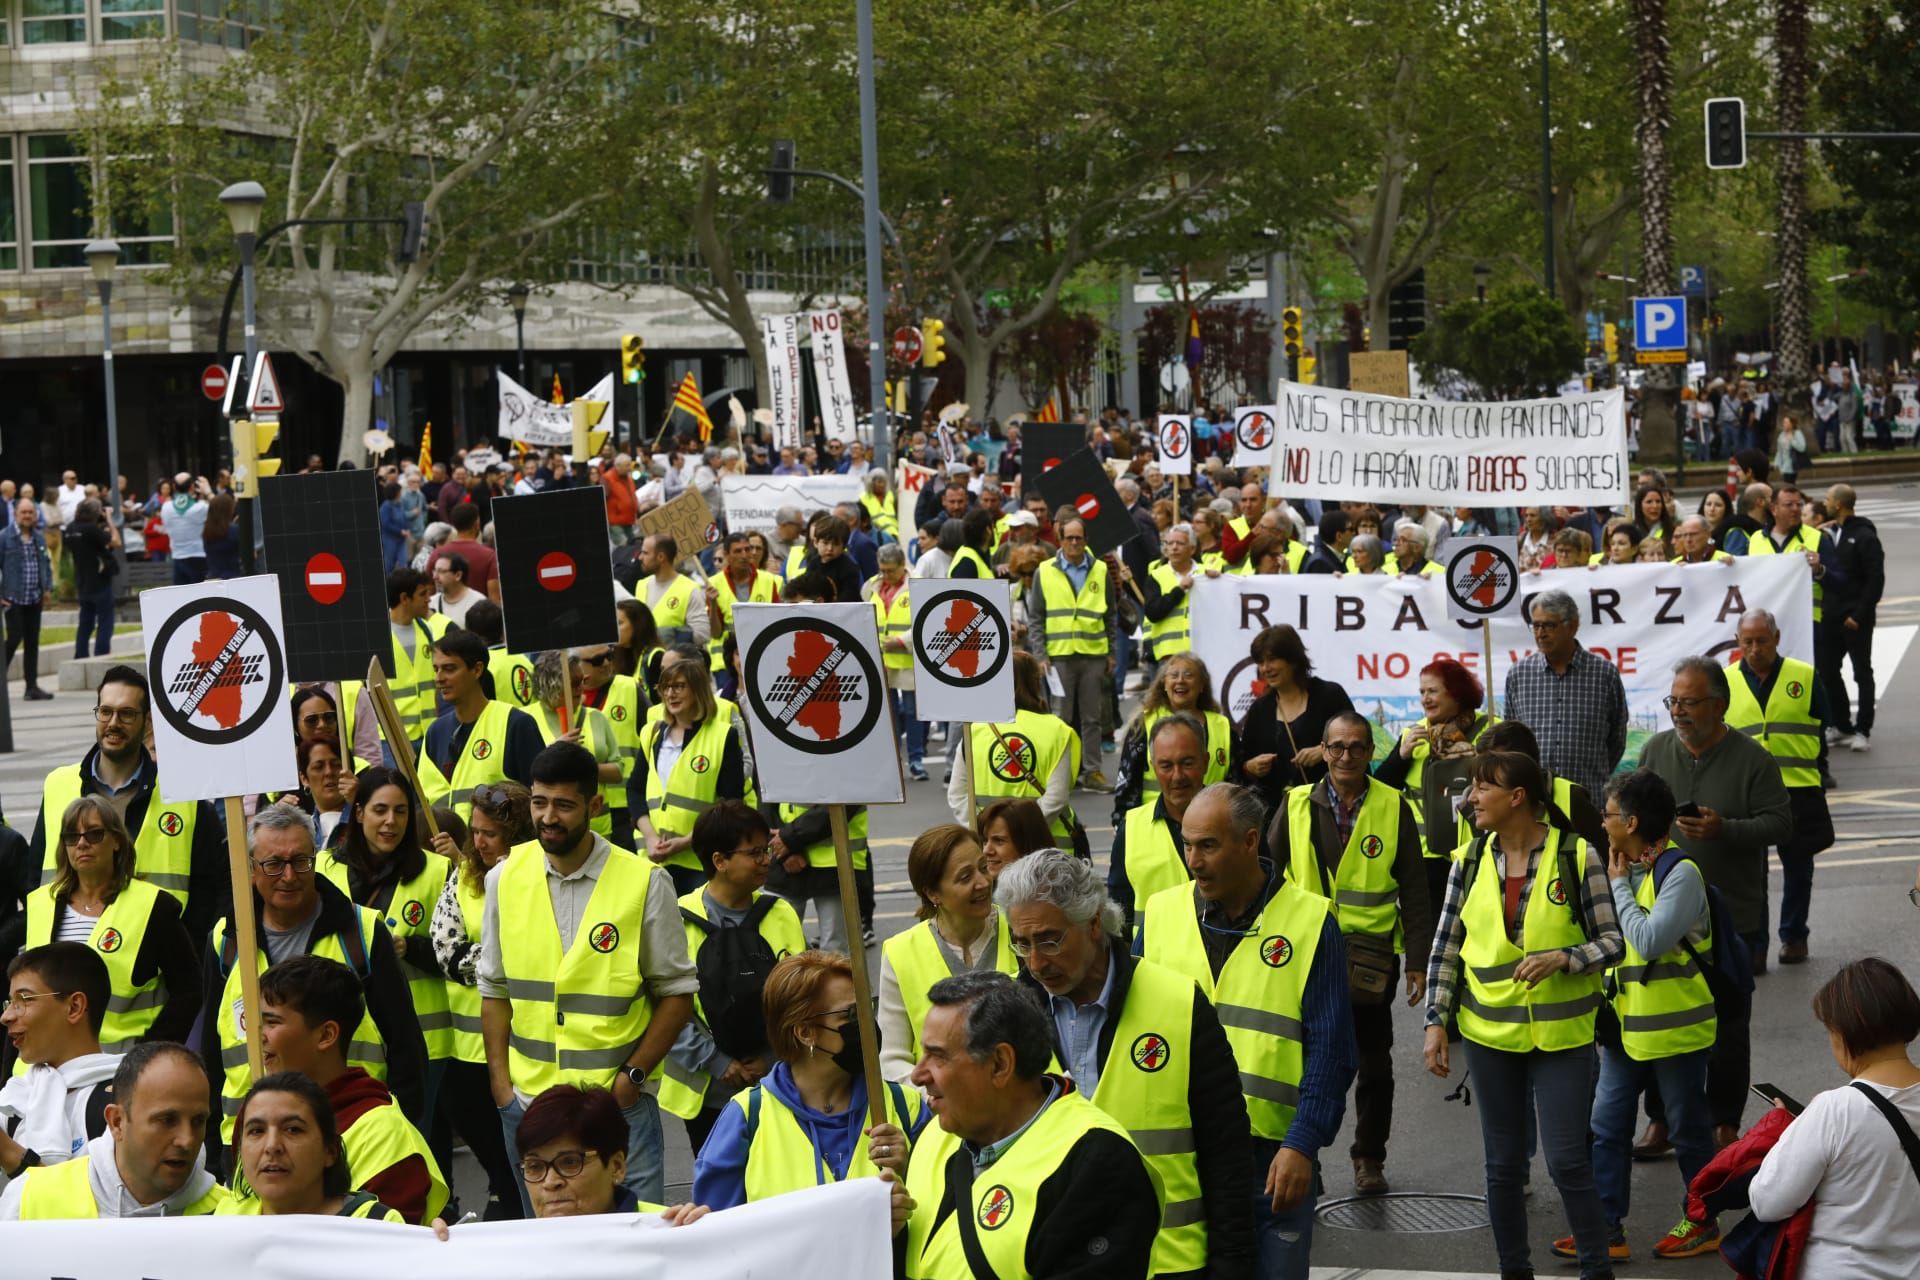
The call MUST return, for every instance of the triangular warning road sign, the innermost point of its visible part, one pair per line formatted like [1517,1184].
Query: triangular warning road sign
[263,395]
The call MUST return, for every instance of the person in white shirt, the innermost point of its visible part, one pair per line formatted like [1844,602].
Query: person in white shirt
[454,597]
[1843,1155]
[56,1003]
[68,497]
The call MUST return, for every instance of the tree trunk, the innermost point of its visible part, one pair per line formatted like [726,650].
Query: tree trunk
[1791,361]
[1655,84]
[356,415]
[979,361]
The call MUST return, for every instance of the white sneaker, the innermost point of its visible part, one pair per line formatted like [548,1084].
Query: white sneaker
[1859,743]
[1833,735]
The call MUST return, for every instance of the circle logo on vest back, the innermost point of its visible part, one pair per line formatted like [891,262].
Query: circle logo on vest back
[482,749]
[1482,578]
[413,913]
[1372,846]
[1276,950]
[700,764]
[962,639]
[813,685]
[619,713]
[1151,1052]
[1014,761]
[1556,892]
[523,686]
[996,1207]
[604,937]
[1795,688]
[170,824]
[215,669]
[1253,429]
[109,940]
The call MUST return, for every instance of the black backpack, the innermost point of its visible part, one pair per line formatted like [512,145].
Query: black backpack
[734,963]
[1568,865]
[1729,967]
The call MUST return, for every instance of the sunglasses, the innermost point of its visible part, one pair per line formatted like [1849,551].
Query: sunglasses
[88,838]
[598,660]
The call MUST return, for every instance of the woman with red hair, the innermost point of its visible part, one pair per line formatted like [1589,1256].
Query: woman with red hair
[1452,697]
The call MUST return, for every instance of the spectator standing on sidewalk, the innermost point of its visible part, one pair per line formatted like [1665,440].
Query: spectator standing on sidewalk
[93,542]
[26,580]
[1855,601]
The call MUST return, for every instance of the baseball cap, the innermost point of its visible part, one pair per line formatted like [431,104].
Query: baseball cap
[1023,520]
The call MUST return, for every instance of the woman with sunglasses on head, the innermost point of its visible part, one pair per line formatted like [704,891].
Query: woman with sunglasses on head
[317,713]
[805,1124]
[93,898]
[323,787]
[501,819]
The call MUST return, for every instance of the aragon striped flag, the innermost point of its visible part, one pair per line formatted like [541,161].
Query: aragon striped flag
[689,415]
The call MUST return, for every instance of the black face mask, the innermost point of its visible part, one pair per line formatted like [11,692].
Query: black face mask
[847,1056]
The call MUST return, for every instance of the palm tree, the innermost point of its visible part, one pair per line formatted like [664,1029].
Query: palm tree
[1653,82]
[1791,362]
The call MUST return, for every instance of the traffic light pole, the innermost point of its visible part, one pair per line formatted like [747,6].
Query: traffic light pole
[251,337]
[876,268]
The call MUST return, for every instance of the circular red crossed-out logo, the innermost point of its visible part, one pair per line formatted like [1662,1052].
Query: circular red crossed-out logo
[1371,846]
[555,571]
[1255,429]
[700,764]
[413,913]
[1276,950]
[109,940]
[170,824]
[604,936]
[996,1206]
[1556,892]
[482,749]
[1795,688]
[326,578]
[1150,1052]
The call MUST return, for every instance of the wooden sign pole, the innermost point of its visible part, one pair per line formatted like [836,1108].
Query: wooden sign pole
[862,987]
[566,693]
[1486,641]
[966,762]
[246,940]
[395,733]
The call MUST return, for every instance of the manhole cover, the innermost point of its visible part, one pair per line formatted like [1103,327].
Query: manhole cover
[1412,1212]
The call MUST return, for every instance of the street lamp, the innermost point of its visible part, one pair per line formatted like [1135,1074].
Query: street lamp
[103,256]
[245,202]
[517,299]
[1480,273]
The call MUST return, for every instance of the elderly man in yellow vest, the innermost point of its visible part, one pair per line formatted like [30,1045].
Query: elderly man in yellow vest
[1073,606]
[1144,1045]
[1167,589]
[1148,855]
[584,975]
[1270,957]
[1353,840]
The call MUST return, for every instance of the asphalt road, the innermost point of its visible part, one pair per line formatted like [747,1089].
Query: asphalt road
[1860,907]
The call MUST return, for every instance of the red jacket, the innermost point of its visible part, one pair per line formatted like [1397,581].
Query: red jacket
[1755,1250]
[623,502]
[403,1186]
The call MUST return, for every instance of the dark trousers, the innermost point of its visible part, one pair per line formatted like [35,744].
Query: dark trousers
[685,879]
[1855,647]
[1373,1084]
[1796,894]
[466,1101]
[23,628]
[1729,1064]
[96,616]
[863,889]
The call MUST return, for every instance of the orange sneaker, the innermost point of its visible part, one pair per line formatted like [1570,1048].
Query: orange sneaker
[1617,1250]
[1689,1239]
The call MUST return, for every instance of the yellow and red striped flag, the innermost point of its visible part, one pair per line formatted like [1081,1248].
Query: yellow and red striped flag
[687,406]
[559,396]
[426,449]
[1048,413]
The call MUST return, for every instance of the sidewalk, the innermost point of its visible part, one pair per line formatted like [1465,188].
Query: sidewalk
[45,736]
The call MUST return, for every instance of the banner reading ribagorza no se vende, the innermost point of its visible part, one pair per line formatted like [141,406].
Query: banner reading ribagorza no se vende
[1326,443]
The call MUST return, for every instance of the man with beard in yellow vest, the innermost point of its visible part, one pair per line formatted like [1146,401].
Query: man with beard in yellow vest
[1143,1044]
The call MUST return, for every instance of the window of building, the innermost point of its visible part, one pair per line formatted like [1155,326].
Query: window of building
[233,23]
[62,217]
[9,222]
[132,19]
[53,21]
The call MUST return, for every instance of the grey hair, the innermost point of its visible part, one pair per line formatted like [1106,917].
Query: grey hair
[1413,531]
[1181,719]
[1369,542]
[998,1012]
[278,817]
[549,673]
[1765,615]
[787,515]
[1126,488]
[891,553]
[1223,506]
[1557,605]
[1245,809]
[1184,529]
[1048,877]
[1707,669]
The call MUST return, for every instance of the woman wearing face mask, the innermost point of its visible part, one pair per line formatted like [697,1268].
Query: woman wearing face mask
[289,1150]
[501,819]
[960,930]
[806,1123]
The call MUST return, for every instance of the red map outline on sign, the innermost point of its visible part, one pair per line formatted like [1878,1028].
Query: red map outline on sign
[965,658]
[822,712]
[222,702]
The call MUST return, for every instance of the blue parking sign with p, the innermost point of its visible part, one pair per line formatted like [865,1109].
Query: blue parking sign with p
[1660,324]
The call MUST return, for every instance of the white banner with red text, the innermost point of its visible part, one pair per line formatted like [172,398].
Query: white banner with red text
[1371,634]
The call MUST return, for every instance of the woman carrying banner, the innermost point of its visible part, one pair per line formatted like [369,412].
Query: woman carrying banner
[1619,543]
[1650,513]
[291,1156]
[573,1155]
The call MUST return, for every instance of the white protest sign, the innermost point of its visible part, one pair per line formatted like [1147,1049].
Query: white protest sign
[810,679]
[838,414]
[217,672]
[780,335]
[1906,423]
[754,502]
[1331,444]
[961,640]
[531,418]
[1482,577]
[1174,438]
[832,1232]
[911,477]
[1371,634]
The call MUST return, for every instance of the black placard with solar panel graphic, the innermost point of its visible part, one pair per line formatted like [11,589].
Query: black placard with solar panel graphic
[1082,482]
[323,546]
[556,570]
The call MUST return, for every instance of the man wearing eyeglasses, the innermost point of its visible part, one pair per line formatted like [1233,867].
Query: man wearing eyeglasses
[1073,606]
[1353,840]
[177,847]
[1572,699]
[298,913]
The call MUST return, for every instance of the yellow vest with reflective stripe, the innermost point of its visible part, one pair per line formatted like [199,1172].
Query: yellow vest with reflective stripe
[622,705]
[683,1091]
[116,939]
[162,848]
[381,1138]
[670,613]
[463,1001]
[1805,538]
[365,1048]
[597,736]
[1076,624]
[1003,1197]
[1219,749]
[65,1191]
[1496,1010]
[512,678]
[1037,741]
[881,511]
[821,855]
[1143,1085]
[796,562]
[895,622]
[675,801]
[782,1158]
[1172,634]
[409,914]
[412,684]
[1154,862]
[1665,1006]
[918,961]
[981,568]
[482,761]
[760,592]
[1786,727]
[1366,897]
[349,707]
[1258,993]
[578,1013]
[1217,561]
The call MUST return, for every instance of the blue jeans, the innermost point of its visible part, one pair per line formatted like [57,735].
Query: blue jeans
[646,1149]
[96,615]
[1616,1105]
[906,719]
[1282,1241]
[1562,1085]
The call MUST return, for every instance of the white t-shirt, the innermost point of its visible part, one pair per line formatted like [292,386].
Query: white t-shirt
[69,498]
[456,609]
[1843,1157]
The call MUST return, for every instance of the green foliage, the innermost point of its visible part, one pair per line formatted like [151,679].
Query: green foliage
[1519,343]
[1879,183]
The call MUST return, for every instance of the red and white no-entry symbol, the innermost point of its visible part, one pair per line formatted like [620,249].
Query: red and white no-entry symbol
[213,382]
[1087,505]
[1049,465]
[555,571]
[326,578]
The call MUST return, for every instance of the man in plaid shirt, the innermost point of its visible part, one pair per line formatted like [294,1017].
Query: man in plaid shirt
[1572,700]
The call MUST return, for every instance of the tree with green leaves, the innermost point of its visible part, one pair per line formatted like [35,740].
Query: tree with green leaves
[1792,73]
[1518,344]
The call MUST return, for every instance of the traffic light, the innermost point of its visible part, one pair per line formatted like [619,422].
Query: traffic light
[633,358]
[1290,332]
[252,437]
[1307,366]
[780,172]
[588,436]
[933,343]
[1726,133]
[1610,342]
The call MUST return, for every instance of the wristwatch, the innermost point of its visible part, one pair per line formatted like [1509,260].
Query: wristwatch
[636,1076]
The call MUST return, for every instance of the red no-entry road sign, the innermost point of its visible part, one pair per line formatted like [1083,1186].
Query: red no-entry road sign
[213,382]
[326,578]
[555,571]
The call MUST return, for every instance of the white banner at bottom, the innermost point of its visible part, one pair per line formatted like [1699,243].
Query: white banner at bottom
[836,1232]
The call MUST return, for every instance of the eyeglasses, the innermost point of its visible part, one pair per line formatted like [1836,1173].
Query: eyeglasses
[117,715]
[1550,624]
[88,838]
[567,1164]
[758,852]
[841,1018]
[277,867]
[1348,748]
[1683,704]
[320,718]
[26,998]
[492,797]
[1049,945]
[599,660]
